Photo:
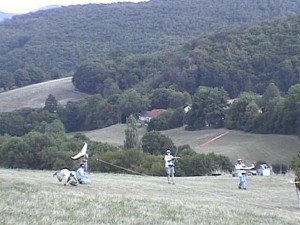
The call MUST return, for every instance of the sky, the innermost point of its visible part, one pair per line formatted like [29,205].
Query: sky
[25,6]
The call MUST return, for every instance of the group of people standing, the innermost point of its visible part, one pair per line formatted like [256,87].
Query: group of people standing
[240,167]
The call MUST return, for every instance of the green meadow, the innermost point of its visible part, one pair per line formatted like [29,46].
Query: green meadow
[36,197]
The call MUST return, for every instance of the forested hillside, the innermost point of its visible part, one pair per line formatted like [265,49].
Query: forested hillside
[53,43]
[235,58]
[241,59]
[262,60]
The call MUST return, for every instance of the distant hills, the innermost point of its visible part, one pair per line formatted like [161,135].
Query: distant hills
[54,43]
[4,16]
[48,7]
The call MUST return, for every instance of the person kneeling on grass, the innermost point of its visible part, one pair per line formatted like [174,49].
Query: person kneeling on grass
[81,175]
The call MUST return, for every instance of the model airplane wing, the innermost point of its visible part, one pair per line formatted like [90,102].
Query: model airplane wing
[294,182]
[81,153]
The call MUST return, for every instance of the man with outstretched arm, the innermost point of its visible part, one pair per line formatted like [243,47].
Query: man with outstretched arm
[170,166]
[242,172]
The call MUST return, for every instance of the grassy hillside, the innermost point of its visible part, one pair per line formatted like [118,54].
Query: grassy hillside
[274,149]
[34,96]
[36,197]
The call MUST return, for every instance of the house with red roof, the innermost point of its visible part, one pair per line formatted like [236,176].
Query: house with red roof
[146,116]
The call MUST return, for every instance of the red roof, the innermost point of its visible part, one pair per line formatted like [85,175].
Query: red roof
[156,112]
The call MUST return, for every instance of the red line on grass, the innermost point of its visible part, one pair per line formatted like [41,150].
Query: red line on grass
[214,139]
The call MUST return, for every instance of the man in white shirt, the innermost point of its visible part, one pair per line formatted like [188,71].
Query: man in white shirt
[242,171]
[170,166]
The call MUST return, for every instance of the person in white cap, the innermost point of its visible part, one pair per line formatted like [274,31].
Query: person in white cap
[170,166]
[242,171]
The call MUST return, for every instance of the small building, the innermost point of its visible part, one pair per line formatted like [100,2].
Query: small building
[187,108]
[231,101]
[146,116]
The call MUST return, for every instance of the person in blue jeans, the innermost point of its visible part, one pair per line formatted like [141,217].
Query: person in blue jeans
[242,171]
[81,175]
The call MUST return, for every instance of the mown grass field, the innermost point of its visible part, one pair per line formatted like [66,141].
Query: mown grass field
[274,149]
[34,96]
[36,197]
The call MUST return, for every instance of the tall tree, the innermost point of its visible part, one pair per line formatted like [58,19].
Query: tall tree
[6,81]
[295,163]
[271,94]
[21,77]
[132,102]
[236,116]
[51,104]
[208,108]
[291,117]
[131,134]
[156,143]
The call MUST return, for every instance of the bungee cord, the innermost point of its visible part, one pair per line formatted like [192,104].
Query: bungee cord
[121,167]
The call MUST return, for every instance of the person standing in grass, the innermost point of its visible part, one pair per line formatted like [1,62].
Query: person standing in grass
[170,166]
[242,171]
[297,184]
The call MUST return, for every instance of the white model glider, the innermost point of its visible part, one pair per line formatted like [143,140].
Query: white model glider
[81,153]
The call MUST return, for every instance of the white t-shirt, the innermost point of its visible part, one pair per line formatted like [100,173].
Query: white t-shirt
[169,160]
[240,168]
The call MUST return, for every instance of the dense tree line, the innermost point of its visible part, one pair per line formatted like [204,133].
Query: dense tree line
[272,112]
[269,113]
[53,43]
[44,144]
[53,150]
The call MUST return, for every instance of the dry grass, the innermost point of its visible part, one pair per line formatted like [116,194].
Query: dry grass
[35,197]
[274,149]
[34,96]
